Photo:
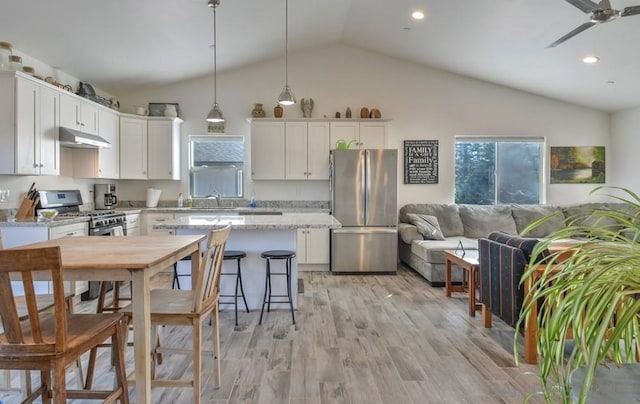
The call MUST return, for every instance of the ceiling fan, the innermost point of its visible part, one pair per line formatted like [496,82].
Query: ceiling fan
[599,13]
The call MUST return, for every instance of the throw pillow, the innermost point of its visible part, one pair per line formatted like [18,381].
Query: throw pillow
[427,225]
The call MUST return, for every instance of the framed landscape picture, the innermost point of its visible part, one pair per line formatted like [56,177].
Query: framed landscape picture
[578,165]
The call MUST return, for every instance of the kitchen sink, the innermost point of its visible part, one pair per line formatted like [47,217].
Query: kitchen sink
[257,212]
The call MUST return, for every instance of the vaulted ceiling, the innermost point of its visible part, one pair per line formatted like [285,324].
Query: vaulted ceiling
[122,45]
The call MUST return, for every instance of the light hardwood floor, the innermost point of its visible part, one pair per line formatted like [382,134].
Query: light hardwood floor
[358,339]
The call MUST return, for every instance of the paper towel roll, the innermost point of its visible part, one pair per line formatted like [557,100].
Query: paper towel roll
[153,196]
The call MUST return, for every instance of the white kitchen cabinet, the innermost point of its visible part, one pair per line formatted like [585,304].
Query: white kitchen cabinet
[318,146]
[100,162]
[155,218]
[133,148]
[360,134]
[149,148]
[373,135]
[298,149]
[307,150]
[295,150]
[49,147]
[133,224]
[16,236]
[163,148]
[267,150]
[28,126]
[312,246]
[77,113]
[348,131]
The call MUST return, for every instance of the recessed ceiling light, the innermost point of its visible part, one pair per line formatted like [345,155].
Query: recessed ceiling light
[590,59]
[611,82]
[417,15]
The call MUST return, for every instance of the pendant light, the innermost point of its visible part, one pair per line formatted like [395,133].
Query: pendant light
[215,115]
[286,96]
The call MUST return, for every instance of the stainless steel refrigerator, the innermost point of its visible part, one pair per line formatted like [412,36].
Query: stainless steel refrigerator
[364,198]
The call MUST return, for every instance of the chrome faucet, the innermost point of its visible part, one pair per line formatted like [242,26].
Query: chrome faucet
[217,196]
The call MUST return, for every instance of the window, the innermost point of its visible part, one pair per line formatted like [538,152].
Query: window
[497,171]
[216,165]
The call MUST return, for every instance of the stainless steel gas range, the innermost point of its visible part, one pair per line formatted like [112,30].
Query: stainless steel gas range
[101,222]
[67,203]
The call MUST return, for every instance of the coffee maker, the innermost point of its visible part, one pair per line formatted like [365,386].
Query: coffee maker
[105,196]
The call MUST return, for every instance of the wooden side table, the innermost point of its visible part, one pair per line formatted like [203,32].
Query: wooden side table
[468,262]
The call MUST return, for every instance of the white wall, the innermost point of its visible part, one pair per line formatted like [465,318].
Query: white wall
[626,143]
[424,103]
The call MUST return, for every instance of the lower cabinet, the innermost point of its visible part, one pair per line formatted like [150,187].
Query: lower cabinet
[154,218]
[133,224]
[15,236]
[313,249]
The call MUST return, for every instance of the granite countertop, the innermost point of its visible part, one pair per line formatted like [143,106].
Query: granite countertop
[230,210]
[252,222]
[34,222]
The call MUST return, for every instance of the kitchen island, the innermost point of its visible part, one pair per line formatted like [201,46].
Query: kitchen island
[253,234]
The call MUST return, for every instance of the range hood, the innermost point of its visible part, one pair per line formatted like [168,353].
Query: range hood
[75,138]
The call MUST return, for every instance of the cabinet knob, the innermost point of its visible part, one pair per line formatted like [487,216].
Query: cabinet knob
[41,165]
[309,174]
[35,165]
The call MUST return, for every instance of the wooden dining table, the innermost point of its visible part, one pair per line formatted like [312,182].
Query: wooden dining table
[131,258]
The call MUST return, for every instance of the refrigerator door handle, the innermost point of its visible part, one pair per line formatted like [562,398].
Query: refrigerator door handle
[366,184]
[360,230]
[363,186]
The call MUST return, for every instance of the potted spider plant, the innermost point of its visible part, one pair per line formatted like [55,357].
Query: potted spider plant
[589,304]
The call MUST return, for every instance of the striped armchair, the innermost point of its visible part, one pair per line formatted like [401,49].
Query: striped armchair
[502,259]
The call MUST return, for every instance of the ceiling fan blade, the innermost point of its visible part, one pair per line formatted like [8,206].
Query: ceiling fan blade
[586,6]
[573,33]
[631,10]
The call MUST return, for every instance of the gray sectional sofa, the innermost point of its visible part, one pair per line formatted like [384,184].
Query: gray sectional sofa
[426,230]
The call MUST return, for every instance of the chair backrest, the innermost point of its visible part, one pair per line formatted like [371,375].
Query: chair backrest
[21,264]
[207,287]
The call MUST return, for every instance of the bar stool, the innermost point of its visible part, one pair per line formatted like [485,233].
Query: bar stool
[235,255]
[277,255]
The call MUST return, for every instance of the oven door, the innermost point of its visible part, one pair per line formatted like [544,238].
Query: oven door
[110,230]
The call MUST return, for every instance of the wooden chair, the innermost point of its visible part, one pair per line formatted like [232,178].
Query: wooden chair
[50,341]
[44,303]
[176,307]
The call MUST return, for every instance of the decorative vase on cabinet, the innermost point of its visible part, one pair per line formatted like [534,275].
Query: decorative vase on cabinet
[257,111]
[277,111]
[170,111]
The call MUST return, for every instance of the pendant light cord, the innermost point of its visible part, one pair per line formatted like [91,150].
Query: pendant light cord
[286,42]
[215,66]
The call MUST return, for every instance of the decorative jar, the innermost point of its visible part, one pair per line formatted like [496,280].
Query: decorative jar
[257,111]
[5,56]
[278,111]
[16,63]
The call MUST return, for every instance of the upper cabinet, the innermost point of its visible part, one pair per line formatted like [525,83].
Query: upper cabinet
[164,148]
[267,150]
[28,126]
[149,148]
[101,162]
[133,148]
[369,134]
[76,113]
[307,150]
[298,149]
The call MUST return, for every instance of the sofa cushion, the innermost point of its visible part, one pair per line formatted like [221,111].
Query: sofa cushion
[427,226]
[408,233]
[447,214]
[524,215]
[432,251]
[480,220]
[527,245]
